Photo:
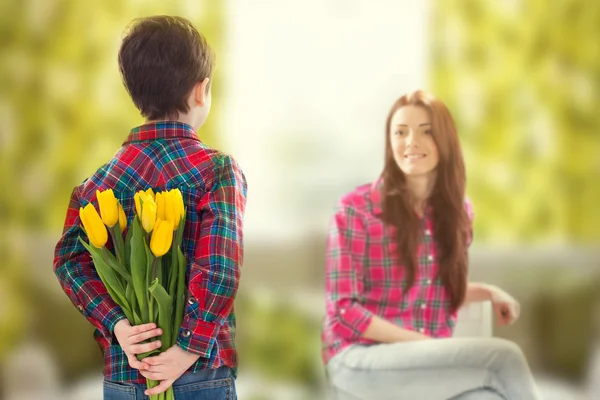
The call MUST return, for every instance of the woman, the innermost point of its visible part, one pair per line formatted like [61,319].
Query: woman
[397,275]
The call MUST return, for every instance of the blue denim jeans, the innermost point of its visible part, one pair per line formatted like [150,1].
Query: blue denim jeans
[454,368]
[215,384]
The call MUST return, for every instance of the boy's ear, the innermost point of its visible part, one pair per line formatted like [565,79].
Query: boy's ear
[201,92]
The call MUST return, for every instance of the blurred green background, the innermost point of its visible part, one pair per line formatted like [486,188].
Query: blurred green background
[522,79]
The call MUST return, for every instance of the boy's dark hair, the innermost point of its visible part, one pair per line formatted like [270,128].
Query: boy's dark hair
[161,59]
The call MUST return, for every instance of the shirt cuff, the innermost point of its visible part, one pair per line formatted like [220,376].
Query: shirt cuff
[353,321]
[108,315]
[198,337]
[112,318]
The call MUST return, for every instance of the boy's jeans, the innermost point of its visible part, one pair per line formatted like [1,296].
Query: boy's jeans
[216,384]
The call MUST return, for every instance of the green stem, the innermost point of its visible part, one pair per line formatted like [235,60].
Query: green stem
[154,269]
[119,243]
[174,266]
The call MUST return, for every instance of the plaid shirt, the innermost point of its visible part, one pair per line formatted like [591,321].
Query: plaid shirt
[166,155]
[364,279]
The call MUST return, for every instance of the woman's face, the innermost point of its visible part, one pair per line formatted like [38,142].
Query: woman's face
[412,142]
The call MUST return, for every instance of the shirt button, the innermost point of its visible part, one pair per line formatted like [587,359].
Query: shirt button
[429,281]
[343,311]
[430,257]
[191,300]
[186,333]
[423,305]
[422,330]
[427,232]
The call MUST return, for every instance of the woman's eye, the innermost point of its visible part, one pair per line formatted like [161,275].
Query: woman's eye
[428,132]
[399,133]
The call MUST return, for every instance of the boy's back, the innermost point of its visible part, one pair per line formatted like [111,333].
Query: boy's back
[162,154]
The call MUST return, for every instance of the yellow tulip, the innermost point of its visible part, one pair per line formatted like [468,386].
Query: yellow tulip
[140,198]
[148,214]
[173,207]
[179,207]
[122,218]
[138,202]
[108,207]
[169,210]
[150,193]
[93,225]
[162,238]
[160,206]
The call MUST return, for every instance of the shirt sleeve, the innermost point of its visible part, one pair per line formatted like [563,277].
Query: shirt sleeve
[77,276]
[344,278]
[215,271]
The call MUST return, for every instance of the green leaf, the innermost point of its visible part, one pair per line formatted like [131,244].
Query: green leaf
[128,245]
[117,266]
[138,262]
[180,291]
[109,279]
[165,312]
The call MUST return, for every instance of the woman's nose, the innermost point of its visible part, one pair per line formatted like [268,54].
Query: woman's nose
[411,140]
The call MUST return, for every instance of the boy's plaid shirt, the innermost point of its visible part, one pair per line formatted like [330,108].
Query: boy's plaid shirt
[364,279]
[166,155]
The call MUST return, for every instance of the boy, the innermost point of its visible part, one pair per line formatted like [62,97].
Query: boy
[166,67]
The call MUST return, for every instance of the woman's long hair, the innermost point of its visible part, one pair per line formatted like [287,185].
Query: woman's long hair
[451,222]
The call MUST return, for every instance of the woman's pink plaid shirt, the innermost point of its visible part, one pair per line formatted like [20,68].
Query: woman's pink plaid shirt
[363,277]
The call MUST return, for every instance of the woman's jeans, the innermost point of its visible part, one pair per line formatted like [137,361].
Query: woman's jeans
[438,369]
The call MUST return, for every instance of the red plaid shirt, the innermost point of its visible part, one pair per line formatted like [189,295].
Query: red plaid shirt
[163,156]
[364,279]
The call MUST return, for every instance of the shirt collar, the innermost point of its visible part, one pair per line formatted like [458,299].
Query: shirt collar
[161,130]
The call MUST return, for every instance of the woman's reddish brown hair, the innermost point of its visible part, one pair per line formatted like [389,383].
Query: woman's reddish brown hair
[451,222]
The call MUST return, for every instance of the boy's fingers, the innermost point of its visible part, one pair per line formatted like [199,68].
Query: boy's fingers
[144,347]
[155,376]
[140,337]
[153,361]
[142,328]
[163,386]
[135,363]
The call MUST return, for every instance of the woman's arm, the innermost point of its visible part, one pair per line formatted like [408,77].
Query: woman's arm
[478,292]
[344,284]
[506,308]
[383,331]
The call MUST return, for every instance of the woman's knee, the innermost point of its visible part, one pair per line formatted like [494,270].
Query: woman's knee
[507,350]
[479,394]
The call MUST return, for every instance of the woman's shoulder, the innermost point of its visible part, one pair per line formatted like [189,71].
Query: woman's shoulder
[359,199]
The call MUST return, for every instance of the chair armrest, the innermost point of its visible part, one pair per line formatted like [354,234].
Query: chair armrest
[474,320]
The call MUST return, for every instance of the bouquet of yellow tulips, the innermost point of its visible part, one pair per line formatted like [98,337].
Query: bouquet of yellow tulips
[146,273]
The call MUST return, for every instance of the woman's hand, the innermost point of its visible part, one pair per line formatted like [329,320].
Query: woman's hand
[506,308]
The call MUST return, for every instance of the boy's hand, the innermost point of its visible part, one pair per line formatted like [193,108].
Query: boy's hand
[167,367]
[129,337]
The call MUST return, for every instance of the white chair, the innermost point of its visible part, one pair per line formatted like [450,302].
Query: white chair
[475,320]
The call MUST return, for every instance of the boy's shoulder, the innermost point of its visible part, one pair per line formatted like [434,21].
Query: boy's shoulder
[195,167]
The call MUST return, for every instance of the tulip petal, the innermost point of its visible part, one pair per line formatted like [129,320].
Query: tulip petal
[122,218]
[93,225]
[161,239]
[108,207]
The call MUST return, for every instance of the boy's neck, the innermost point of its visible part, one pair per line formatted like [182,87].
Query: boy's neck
[186,119]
